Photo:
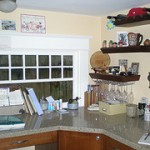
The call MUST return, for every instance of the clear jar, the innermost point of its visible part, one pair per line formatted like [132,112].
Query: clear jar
[43,103]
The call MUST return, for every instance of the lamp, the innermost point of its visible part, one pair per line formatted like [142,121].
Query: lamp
[7,5]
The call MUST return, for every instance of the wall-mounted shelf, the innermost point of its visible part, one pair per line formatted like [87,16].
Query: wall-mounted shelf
[128,49]
[133,21]
[115,78]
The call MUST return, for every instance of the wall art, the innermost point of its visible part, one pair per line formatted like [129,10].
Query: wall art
[135,68]
[33,24]
[7,25]
[122,37]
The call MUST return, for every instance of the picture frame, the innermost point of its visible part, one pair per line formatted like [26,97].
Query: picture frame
[135,68]
[33,23]
[122,37]
[7,25]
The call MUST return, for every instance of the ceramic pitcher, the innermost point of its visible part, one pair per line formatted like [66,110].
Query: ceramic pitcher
[135,39]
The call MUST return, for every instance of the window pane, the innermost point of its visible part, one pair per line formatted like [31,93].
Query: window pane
[67,61]
[56,73]
[30,60]
[16,60]
[43,60]
[4,61]
[63,90]
[68,72]
[30,74]
[55,60]
[43,73]
[17,74]
[4,74]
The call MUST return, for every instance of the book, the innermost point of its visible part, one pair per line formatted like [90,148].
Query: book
[9,98]
[27,104]
[34,99]
[8,122]
[145,139]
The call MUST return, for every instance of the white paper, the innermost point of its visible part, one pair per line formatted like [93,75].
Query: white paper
[50,99]
[4,101]
[16,98]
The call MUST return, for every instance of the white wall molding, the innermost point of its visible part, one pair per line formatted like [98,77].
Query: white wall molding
[36,41]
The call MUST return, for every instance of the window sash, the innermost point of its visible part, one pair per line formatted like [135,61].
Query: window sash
[22,68]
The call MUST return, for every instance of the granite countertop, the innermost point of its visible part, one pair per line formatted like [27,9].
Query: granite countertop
[120,127]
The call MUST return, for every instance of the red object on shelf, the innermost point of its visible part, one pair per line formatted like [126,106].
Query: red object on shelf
[136,12]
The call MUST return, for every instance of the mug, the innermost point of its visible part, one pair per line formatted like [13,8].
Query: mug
[135,39]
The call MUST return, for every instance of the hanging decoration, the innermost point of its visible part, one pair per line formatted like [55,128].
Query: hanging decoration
[110,25]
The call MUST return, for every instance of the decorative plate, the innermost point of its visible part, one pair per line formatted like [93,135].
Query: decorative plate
[99,60]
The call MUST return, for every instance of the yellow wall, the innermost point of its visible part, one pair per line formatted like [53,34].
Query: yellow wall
[140,88]
[63,23]
[72,24]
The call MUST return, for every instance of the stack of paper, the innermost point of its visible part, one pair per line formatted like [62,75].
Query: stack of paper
[11,122]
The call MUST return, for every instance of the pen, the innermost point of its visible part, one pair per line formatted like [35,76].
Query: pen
[147,135]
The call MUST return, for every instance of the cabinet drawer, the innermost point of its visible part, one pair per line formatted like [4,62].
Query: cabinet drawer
[28,140]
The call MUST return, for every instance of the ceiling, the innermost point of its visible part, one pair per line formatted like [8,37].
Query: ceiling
[85,7]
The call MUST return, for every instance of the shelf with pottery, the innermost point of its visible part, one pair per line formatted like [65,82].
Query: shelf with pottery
[127,49]
[100,63]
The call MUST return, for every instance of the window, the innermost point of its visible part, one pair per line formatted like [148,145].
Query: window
[50,62]
[47,74]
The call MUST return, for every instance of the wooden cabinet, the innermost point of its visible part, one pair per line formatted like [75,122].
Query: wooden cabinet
[68,140]
[80,141]
[111,144]
[28,140]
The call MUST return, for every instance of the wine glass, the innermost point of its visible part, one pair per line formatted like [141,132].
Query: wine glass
[125,94]
[130,96]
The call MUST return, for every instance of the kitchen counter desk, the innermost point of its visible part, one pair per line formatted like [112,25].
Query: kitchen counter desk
[118,127]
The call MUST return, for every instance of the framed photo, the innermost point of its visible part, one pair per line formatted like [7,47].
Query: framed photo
[8,25]
[122,37]
[135,68]
[33,24]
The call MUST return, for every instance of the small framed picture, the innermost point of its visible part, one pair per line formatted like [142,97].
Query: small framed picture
[122,39]
[33,24]
[135,68]
[8,25]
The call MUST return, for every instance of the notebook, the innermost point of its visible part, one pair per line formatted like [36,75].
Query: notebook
[11,122]
[145,139]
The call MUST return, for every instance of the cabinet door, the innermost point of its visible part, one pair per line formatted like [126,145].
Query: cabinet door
[80,141]
[111,144]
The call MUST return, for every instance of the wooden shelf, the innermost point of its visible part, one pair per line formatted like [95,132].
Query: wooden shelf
[116,78]
[128,49]
[133,21]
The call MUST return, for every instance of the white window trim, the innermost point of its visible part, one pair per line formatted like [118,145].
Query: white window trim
[54,44]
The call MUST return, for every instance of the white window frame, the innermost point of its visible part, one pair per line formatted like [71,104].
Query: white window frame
[78,46]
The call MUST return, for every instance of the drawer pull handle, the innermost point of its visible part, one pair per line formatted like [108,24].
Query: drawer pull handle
[104,109]
[20,142]
[97,138]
